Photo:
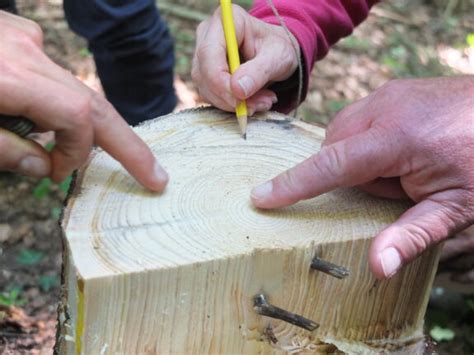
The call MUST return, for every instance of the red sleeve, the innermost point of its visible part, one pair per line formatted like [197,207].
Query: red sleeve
[316,24]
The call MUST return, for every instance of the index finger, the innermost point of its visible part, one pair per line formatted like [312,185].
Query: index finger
[115,136]
[350,162]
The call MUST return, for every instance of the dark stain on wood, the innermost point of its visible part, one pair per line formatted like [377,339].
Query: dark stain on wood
[285,124]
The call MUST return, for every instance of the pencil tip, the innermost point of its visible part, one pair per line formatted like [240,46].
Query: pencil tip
[243,125]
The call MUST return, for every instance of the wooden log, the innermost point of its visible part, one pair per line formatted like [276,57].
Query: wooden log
[179,272]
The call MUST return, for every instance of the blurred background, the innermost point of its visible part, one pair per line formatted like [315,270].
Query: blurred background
[417,38]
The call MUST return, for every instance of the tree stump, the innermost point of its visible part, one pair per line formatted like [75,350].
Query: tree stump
[179,272]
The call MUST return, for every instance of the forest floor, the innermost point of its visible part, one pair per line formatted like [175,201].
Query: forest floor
[398,40]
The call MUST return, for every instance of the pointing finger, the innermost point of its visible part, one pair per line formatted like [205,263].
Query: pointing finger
[336,165]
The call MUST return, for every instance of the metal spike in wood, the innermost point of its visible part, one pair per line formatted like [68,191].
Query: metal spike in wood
[262,307]
[329,268]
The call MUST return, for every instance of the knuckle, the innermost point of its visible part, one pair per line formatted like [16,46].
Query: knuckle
[239,11]
[26,43]
[287,60]
[201,29]
[455,212]
[328,163]
[390,90]
[28,28]
[393,85]
[217,12]
[36,33]
[288,182]
[101,110]
[81,112]
[418,238]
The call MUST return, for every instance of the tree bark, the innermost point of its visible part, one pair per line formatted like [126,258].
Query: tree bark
[178,272]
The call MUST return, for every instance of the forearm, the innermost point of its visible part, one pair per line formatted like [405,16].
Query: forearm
[316,25]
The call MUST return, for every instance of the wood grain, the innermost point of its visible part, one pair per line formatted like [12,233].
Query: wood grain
[177,272]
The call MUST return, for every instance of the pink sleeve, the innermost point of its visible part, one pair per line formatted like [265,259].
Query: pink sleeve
[316,24]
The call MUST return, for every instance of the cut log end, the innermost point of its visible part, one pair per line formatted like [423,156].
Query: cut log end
[179,272]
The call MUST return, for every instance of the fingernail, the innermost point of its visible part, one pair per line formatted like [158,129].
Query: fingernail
[33,166]
[263,106]
[262,191]
[160,174]
[246,83]
[274,99]
[391,261]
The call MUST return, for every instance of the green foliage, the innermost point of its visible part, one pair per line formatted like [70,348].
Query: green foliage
[442,334]
[84,52]
[448,320]
[244,3]
[48,282]
[336,105]
[407,59]
[449,23]
[182,64]
[49,146]
[185,36]
[12,297]
[356,43]
[470,40]
[42,189]
[56,212]
[29,257]
[470,303]
[65,185]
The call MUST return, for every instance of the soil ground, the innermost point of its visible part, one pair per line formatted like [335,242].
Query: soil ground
[401,39]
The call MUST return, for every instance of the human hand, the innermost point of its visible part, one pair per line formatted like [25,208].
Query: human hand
[410,138]
[31,85]
[266,49]
[457,256]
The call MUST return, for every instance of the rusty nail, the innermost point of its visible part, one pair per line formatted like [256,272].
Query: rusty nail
[329,268]
[262,307]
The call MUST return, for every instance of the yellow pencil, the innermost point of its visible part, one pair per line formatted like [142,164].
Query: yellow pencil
[234,59]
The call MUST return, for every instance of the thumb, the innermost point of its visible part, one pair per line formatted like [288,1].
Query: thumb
[23,156]
[423,225]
